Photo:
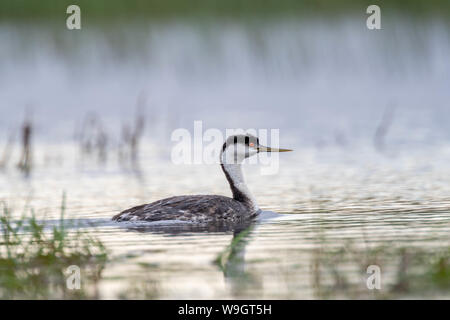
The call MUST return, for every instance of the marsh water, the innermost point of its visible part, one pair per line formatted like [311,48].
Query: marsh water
[368,183]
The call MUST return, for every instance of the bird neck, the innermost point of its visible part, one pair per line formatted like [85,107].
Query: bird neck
[241,193]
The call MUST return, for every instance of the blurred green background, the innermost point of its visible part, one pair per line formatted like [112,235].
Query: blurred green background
[51,9]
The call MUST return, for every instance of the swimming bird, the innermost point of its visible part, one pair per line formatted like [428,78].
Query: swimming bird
[210,208]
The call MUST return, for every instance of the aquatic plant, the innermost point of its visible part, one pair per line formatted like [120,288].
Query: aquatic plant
[34,258]
[25,161]
[405,271]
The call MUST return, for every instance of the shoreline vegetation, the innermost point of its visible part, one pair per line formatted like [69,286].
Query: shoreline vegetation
[158,9]
[36,259]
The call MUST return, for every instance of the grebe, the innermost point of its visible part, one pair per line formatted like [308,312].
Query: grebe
[210,208]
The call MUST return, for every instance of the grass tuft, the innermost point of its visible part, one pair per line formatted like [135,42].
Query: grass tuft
[34,259]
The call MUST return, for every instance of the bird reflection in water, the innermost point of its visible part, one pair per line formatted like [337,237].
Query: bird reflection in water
[231,261]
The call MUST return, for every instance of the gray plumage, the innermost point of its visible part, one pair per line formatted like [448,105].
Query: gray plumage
[197,208]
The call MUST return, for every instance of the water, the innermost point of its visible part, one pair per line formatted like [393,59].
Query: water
[343,200]
[372,213]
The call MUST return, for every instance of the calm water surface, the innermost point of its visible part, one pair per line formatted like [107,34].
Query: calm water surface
[323,224]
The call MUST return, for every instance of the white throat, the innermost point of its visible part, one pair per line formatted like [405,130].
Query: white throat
[235,177]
